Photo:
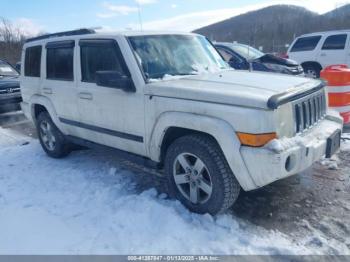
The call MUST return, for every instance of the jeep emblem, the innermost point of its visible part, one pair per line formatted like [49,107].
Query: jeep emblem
[9,90]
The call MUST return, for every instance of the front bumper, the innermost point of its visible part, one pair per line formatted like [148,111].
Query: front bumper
[288,156]
[12,98]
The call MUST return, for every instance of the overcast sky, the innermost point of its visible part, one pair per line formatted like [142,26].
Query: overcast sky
[35,16]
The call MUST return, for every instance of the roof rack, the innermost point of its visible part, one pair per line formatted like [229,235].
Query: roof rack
[83,31]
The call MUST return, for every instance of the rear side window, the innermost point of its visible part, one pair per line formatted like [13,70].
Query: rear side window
[59,60]
[335,42]
[100,55]
[32,61]
[306,44]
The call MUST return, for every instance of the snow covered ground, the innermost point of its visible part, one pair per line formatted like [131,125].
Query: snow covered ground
[89,204]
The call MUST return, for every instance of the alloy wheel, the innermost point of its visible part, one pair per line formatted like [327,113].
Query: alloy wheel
[192,178]
[47,136]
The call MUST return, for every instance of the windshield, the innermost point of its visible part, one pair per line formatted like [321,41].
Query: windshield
[247,52]
[162,56]
[7,70]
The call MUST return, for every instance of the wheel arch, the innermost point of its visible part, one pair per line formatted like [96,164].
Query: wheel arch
[39,104]
[172,125]
[311,63]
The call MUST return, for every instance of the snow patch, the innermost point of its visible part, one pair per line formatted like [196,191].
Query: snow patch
[87,204]
[11,138]
[283,144]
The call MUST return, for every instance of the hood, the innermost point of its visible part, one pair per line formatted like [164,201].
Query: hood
[248,89]
[9,82]
[272,59]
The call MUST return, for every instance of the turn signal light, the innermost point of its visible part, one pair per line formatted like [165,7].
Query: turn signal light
[255,140]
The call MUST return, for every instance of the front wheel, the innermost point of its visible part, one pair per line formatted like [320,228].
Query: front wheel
[199,176]
[51,139]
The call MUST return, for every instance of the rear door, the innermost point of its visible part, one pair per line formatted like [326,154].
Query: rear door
[333,50]
[59,82]
[305,49]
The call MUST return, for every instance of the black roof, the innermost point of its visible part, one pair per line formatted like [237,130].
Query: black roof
[82,31]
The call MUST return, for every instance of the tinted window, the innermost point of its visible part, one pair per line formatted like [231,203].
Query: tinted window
[226,55]
[32,61]
[100,57]
[59,63]
[306,43]
[335,42]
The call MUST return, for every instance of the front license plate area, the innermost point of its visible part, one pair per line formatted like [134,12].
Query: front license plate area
[333,143]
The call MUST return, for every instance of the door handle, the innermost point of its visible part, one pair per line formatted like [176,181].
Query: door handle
[47,90]
[323,54]
[85,96]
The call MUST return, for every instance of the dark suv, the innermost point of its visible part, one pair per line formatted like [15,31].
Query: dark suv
[10,95]
[244,57]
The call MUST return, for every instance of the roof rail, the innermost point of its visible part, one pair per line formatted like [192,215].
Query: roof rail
[83,31]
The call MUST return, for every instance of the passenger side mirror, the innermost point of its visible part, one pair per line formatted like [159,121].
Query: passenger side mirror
[114,79]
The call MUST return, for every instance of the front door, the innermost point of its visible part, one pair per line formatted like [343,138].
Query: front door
[109,116]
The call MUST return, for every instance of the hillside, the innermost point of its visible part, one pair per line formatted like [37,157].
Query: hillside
[275,26]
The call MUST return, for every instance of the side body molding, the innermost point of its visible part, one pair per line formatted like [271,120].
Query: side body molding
[222,131]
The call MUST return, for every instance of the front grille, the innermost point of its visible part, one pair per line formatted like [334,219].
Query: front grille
[309,110]
[9,90]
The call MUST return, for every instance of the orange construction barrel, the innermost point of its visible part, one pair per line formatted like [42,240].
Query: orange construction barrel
[338,78]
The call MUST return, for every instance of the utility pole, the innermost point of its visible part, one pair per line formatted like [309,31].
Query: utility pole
[140,17]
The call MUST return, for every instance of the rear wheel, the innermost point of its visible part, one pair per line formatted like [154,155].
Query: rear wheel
[312,71]
[51,139]
[199,176]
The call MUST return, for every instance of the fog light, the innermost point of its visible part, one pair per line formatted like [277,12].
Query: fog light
[290,162]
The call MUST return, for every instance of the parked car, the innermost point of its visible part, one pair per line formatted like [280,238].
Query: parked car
[244,57]
[169,101]
[18,67]
[318,50]
[10,95]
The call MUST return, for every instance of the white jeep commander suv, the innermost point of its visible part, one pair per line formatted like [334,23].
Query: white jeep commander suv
[170,101]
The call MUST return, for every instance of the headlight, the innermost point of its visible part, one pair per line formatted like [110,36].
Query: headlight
[277,68]
[285,121]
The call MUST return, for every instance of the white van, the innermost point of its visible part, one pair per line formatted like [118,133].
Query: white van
[318,50]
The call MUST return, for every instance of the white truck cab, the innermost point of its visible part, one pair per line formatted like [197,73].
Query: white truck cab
[170,100]
[318,50]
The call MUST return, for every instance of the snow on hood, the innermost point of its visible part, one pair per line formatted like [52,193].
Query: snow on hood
[230,87]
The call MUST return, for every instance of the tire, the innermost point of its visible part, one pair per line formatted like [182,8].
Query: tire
[59,147]
[312,71]
[216,174]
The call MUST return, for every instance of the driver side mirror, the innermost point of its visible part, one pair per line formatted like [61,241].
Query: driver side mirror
[114,79]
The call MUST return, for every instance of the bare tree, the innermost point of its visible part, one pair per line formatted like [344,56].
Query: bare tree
[11,41]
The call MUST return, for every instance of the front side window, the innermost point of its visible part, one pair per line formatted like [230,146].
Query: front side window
[226,55]
[100,55]
[176,55]
[306,43]
[246,51]
[335,42]
[59,63]
[32,62]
